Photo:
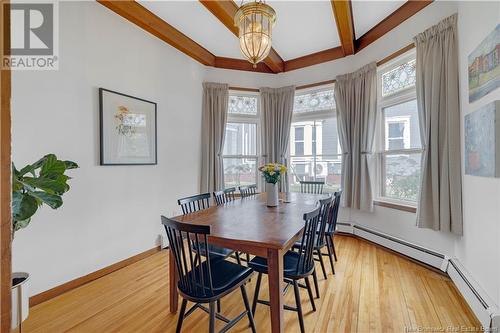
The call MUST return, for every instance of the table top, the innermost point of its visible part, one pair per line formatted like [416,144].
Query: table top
[249,221]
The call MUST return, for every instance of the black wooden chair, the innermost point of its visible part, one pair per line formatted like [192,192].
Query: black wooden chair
[204,282]
[193,204]
[319,238]
[296,266]
[246,191]
[224,196]
[309,186]
[331,226]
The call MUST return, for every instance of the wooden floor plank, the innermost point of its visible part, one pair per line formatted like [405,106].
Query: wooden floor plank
[373,290]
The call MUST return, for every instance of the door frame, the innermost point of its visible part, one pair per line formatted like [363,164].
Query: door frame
[5,176]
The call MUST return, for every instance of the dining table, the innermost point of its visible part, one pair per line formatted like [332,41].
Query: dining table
[248,225]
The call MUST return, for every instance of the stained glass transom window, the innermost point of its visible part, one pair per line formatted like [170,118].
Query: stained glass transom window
[246,105]
[398,78]
[314,101]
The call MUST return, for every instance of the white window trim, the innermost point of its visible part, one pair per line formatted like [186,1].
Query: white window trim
[248,119]
[399,97]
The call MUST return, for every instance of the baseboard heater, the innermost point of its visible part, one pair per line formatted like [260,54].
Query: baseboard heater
[482,306]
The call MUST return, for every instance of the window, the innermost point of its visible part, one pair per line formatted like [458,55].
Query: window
[399,145]
[240,152]
[314,146]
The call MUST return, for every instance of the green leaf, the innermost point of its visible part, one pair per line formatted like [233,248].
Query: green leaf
[21,224]
[71,165]
[52,186]
[53,200]
[24,206]
[52,167]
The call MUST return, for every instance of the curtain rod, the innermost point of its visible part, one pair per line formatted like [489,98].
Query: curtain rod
[311,85]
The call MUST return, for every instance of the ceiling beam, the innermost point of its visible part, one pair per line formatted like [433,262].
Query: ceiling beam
[407,10]
[240,64]
[148,21]
[314,58]
[342,11]
[225,10]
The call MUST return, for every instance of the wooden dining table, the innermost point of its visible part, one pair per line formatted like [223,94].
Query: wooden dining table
[249,226]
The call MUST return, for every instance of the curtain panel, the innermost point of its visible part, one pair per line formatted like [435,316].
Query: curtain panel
[214,116]
[356,98]
[440,202]
[277,111]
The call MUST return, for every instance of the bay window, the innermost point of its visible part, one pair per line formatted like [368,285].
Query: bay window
[398,141]
[240,153]
[314,150]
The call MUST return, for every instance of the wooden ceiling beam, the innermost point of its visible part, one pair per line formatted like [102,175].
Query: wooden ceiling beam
[407,10]
[314,58]
[148,21]
[342,11]
[225,10]
[242,65]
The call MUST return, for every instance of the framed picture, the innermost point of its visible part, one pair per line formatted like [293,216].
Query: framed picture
[127,129]
[482,141]
[484,66]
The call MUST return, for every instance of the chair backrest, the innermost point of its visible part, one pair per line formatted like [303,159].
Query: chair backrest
[309,186]
[194,203]
[246,191]
[224,196]
[334,212]
[325,209]
[306,260]
[194,276]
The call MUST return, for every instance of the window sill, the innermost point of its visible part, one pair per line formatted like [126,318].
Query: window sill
[393,205]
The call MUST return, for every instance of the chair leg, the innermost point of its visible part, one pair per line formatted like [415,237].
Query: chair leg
[248,258]
[309,291]
[211,327]
[181,315]
[299,306]
[247,307]
[238,260]
[218,306]
[329,248]
[315,279]
[321,262]
[256,294]
[333,248]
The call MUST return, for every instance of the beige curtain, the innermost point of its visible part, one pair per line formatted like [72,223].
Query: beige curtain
[440,204]
[356,98]
[277,111]
[214,115]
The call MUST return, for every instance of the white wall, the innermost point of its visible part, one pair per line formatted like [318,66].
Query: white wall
[111,212]
[479,249]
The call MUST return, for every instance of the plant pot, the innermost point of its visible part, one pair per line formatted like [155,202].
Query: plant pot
[272,195]
[20,298]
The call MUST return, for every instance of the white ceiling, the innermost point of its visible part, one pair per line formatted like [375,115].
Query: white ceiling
[367,14]
[302,27]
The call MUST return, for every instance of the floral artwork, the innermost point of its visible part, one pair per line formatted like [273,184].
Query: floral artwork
[128,129]
[482,141]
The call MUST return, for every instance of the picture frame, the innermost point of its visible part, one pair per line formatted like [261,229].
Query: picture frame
[127,128]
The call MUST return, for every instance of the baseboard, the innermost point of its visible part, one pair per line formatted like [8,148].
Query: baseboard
[480,303]
[65,287]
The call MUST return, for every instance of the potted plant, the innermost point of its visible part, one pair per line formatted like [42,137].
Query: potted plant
[272,174]
[43,182]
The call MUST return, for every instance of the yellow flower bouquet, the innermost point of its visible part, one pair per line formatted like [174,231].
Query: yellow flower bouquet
[272,172]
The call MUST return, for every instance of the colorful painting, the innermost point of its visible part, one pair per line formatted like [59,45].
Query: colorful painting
[128,129]
[484,66]
[482,141]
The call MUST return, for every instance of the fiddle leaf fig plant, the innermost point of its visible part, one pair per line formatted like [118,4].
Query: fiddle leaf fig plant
[43,182]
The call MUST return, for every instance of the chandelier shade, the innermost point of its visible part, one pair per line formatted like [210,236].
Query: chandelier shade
[255,21]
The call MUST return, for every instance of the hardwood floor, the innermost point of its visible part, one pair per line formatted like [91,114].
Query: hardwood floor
[373,291]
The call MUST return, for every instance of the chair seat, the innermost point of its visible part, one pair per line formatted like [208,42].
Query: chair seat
[216,252]
[226,276]
[290,260]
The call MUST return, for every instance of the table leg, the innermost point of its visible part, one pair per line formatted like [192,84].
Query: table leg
[275,267]
[174,294]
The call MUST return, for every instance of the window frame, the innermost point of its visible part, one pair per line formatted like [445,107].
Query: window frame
[405,95]
[247,119]
[313,117]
